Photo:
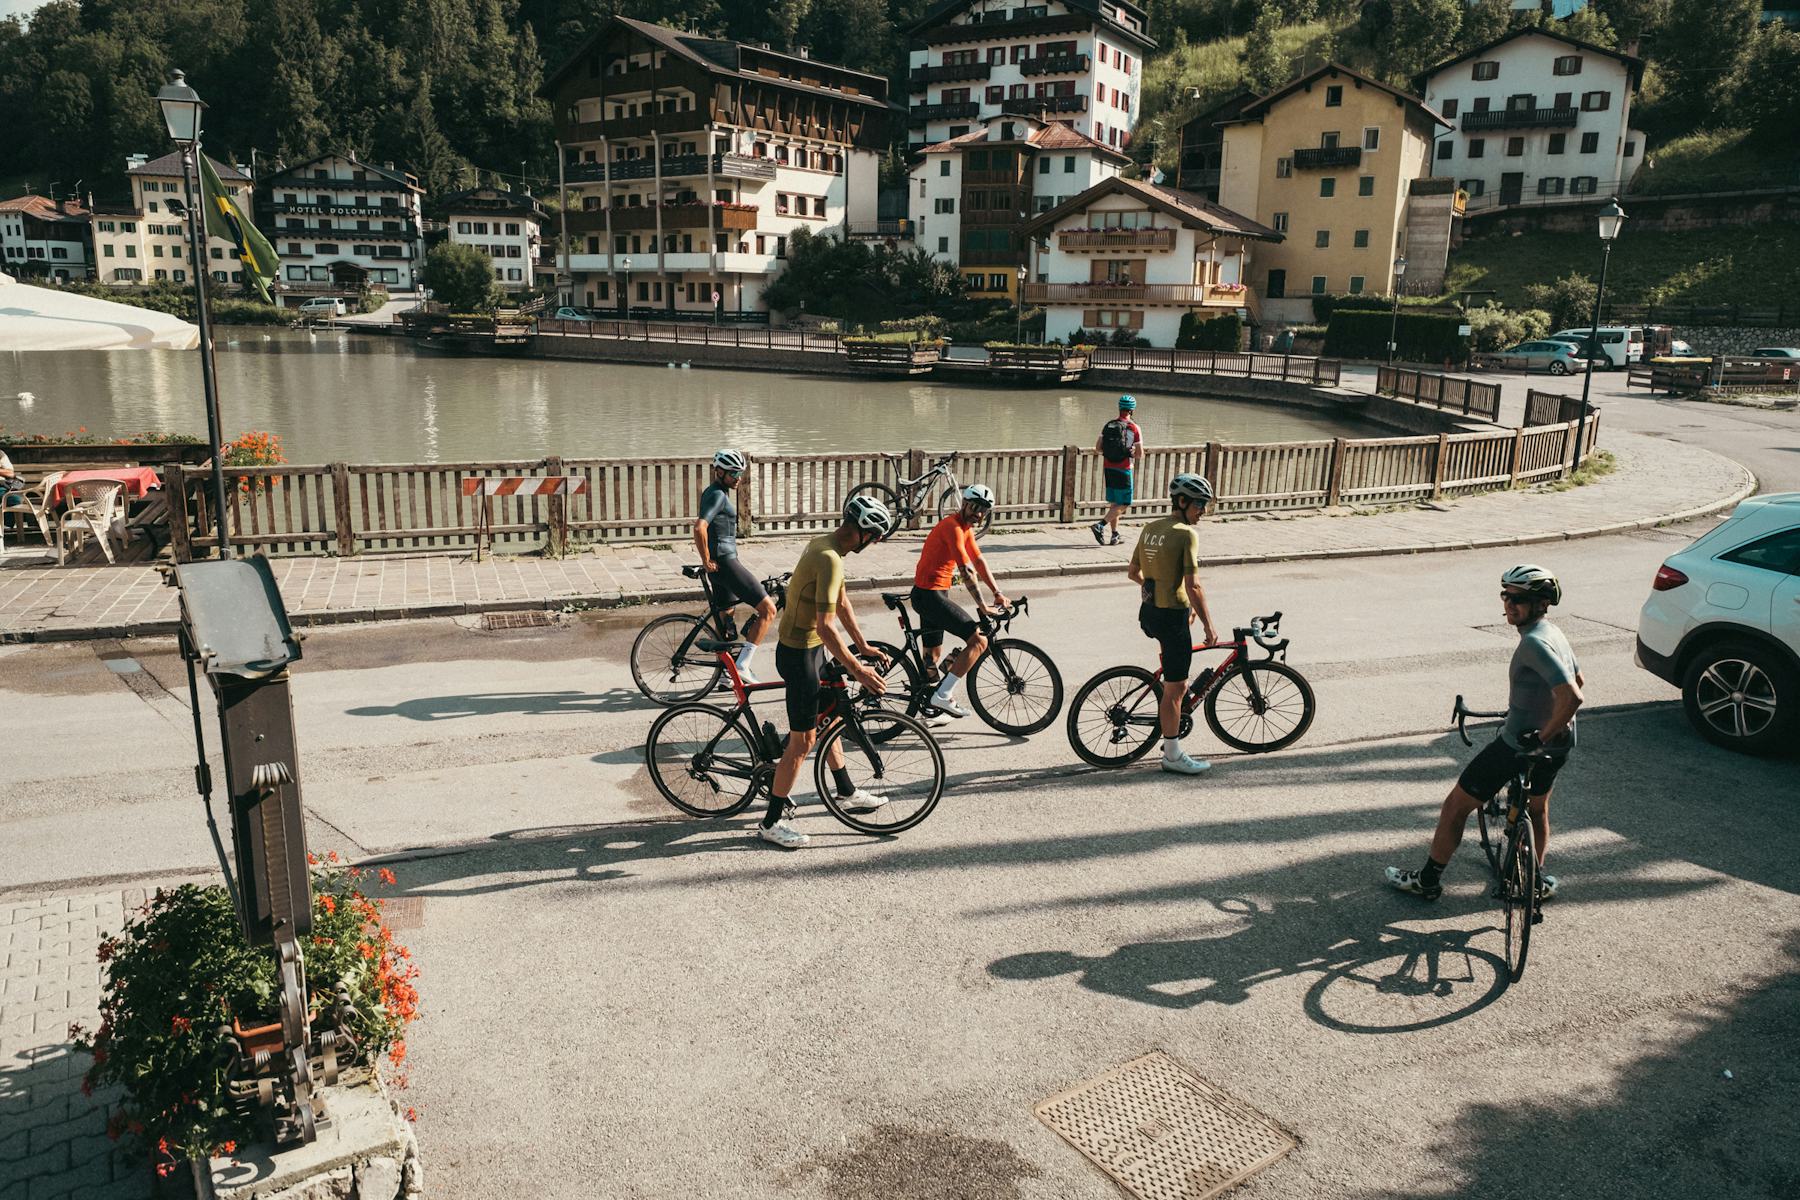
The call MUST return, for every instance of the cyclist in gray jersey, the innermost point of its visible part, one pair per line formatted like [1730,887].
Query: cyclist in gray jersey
[1544,692]
[715,538]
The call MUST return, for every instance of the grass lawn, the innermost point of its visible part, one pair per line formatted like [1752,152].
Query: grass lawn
[1714,160]
[1753,265]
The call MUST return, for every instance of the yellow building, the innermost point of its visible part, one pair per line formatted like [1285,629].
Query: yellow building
[1338,163]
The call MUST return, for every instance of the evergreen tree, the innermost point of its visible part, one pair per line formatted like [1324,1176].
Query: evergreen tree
[1703,52]
[1421,33]
[1485,21]
[1632,19]
[1265,66]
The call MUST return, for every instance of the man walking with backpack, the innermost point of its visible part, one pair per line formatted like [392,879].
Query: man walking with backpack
[1121,444]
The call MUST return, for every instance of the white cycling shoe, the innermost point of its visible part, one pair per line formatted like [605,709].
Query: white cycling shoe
[1186,764]
[861,801]
[782,834]
[949,708]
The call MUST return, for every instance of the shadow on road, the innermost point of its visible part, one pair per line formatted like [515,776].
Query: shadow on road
[531,704]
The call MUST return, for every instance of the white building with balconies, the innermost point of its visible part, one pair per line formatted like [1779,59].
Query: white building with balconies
[341,225]
[506,226]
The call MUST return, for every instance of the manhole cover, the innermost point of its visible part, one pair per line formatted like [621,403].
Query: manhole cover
[535,618]
[403,912]
[1163,1133]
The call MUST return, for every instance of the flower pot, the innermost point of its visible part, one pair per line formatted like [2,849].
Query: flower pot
[262,1037]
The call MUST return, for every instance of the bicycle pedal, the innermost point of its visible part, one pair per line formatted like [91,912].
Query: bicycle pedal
[1537,916]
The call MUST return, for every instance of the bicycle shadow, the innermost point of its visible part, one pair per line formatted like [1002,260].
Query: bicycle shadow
[569,702]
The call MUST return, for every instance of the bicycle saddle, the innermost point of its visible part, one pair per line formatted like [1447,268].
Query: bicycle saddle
[895,599]
[712,646]
[692,572]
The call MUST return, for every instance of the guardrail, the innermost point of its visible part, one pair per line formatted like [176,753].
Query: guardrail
[1293,368]
[1470,397]
[348,509]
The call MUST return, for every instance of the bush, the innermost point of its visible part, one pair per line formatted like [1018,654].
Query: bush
[81,437]
[460,278]
[1422,337]
[177,300]
[928,324]
[1569,300]
[1224,332]
[1495,328]
[1324,306]
[1123,336]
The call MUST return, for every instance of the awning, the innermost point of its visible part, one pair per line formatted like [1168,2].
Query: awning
[47,318]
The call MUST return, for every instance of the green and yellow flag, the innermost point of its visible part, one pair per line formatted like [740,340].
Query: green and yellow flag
[224,219]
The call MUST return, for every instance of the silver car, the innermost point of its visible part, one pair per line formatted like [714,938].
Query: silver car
[1558,358]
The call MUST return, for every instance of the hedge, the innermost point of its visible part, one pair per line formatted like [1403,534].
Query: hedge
[1422,337]
[1224,332]
[1324,306]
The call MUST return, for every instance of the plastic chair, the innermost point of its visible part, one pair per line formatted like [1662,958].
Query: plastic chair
[93,506]
[32,502]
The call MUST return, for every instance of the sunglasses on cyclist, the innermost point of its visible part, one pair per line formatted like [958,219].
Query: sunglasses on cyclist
[1515,597]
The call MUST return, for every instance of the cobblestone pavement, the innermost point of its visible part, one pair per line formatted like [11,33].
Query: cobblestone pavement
[53,1143]
[1657,481]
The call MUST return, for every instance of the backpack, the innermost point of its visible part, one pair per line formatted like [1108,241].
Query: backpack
[1117,441]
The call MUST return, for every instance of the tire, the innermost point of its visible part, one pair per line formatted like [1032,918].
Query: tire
[1763,720]
[653,665]
[1493,834]
[1114,718]
[951,500]
[1518,896]
[720,783]
[896,757]
[904,694]
[1558,367]
[882,492]
[1258,724]
[1023,700]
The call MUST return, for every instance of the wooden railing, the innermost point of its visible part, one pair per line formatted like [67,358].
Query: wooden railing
[1470,397]
[1548,408]
[1721,373]
[1149,238]
[1294,368]
[347,509]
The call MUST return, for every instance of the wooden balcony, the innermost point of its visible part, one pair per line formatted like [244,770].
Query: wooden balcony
[1520,118]
[1116,239]
[995,30]
[674,216]
[1056,64]
[675,166]
[948,73]
[1137,295]
[1315,158]
[1031,106]
[643,126]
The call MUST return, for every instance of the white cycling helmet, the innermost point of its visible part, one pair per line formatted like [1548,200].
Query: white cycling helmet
[729,460]
[1193,487]
[869,515]
[980,493]
[1534,581]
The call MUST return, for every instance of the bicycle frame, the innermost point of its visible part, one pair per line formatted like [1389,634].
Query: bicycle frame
[1261,630]
[913,492]
[990,625]
[719,619]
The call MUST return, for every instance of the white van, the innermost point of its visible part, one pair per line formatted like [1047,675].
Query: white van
[322,306]
[1621,344]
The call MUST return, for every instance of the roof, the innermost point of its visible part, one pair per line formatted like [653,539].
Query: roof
[1190,209]
[1230,107]
[481,200]
[1046,135]
[719,56]
[1633,63]
[399,177]
[170,165]
[44,209]
[1335,69]
[941,14]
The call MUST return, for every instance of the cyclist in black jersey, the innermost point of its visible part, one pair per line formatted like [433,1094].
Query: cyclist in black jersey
[715,538]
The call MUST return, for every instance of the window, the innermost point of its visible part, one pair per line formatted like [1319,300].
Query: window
[1476,147]
[1777,552]
[1277,285]
[1328,186]
[1568,64]
[1365,185]
[296,274]
[1446,148]
[1044,165]
[1318,285]
[363,251]
[1322,239]
[217,253]
[1371,137]
[1550,185]
[943,245]
[1590,143]
[996,283]
[1487,70]
[130,251]
[1595,101]
[1329,140]
[1583,185]
[1515,147]
[1281,222]
[1448,108]
[1284,168]
[481,227]
[944,204]
[325,248]
[179,276]
[1334,96]
[1558,142]
[106,227]
[1473,186]
[63,252]
[1360,239]
[944,168]
[156,249]
[1480,105]
[995,94]
[1564,100]
[1356,285]
[106,251]
[512,229]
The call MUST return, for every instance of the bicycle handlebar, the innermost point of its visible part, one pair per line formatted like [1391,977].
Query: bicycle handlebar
[993,620]
[1460,714]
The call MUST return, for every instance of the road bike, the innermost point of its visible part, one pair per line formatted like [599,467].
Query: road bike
[1510,843]
[1254,707]
[1014,687]
[667,663]
[710,761]
[907,499]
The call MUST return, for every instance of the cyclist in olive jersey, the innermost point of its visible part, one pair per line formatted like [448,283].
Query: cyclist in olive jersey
[1165,565]
[816,602]
[715,538]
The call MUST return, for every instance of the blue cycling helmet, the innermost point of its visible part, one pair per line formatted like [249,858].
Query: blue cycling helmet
[1127,403]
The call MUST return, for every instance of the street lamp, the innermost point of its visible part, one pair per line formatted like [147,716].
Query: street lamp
[625,296]
[1612,217]
[1394,325]
[181,109]
[1019,330]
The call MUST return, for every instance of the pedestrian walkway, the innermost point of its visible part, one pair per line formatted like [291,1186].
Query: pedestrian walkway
[1657,481]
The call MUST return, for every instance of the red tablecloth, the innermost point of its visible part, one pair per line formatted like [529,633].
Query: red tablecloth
[137,481]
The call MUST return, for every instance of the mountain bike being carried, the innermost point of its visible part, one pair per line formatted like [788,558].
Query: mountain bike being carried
[667,662]
[934,494]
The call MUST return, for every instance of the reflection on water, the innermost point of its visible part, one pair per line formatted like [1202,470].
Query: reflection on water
[335,397]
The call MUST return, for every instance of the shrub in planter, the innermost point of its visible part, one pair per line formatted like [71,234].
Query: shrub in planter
[1223,332]
[180,970]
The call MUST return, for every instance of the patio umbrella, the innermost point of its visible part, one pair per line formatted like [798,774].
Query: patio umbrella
[43,318]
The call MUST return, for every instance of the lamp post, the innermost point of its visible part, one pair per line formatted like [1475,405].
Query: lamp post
[1019,327]
[1612,217]
[181,109]
[1394,325]
[625,296]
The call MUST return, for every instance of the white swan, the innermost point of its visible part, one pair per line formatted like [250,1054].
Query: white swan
[26,399]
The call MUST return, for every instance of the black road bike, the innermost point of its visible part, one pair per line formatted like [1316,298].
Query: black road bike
[1254,707]
[908,499]
[667,663]
[710,761]
[1510,843]
[1014,687]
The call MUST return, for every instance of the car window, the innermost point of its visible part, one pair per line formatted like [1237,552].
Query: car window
[1777,552]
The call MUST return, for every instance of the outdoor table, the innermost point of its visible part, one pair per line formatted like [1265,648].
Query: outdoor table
[137,481]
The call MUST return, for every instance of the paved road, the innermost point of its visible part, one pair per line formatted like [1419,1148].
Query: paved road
[621,1004]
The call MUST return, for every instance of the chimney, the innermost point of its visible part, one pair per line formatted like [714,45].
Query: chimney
[389,165]
[133,161]
[802,51]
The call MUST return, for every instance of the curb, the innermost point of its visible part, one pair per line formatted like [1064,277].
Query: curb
[350,616]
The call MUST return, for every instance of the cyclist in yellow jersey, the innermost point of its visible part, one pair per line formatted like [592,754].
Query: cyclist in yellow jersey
[816,602]
[1165,565]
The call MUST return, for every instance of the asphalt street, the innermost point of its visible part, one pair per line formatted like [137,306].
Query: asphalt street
[622,1003]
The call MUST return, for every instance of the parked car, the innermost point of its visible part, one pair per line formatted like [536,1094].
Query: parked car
[565,313]
[322,306]
[1558,358]
[1775,352]
[1680,349]
[1620,345]
[1722,623]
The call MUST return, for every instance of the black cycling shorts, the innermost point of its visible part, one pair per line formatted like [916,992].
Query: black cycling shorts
[1490,770]
[1169,626]
[802,671]
[939,614]
[733,584]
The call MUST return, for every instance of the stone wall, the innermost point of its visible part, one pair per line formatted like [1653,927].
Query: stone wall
[1648,214]
[1728,339]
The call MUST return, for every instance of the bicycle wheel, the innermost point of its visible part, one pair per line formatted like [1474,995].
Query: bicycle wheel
[1114,719]
[1492,828]
[1267,716]
[902,679]
[891,755]
[888,497]
[1518,895]
[1016,688]
[950,500]
[703,760]
[667,673]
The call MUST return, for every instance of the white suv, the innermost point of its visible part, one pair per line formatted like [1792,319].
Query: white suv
[322,306]
[1723,624]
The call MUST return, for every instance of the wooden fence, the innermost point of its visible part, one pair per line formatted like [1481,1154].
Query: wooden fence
[346,509]
[1724,373]
[1550,408]
[1471,397]
[1295,368]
